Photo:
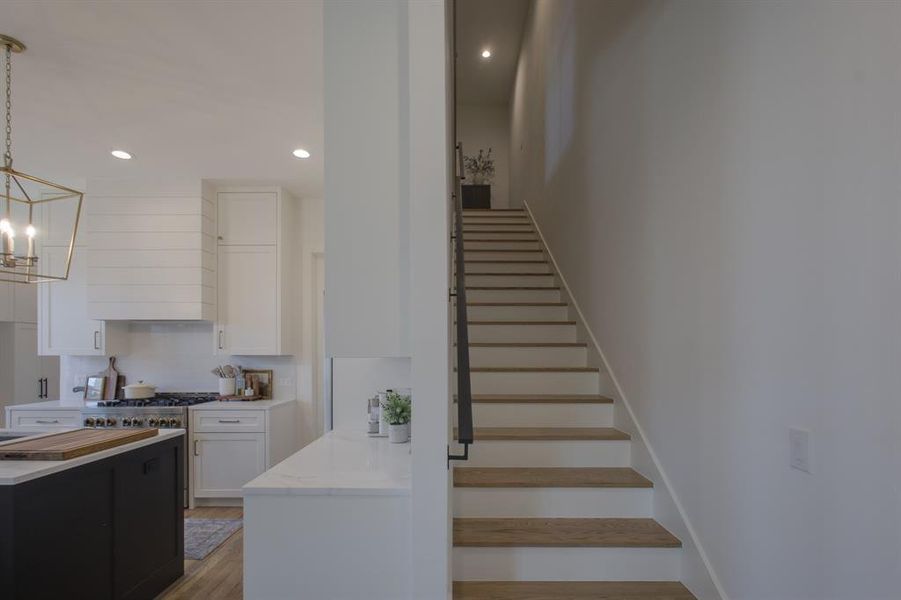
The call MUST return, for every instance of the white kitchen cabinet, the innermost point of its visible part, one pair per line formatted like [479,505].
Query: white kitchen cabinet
[258,299]
[7,302]
[248,218]
[248,301]
[18,302]
[63,324]
[26,376]
[232,443]
[47,419]
[223,462]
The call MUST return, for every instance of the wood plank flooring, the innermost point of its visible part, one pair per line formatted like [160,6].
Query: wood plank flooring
[221,574]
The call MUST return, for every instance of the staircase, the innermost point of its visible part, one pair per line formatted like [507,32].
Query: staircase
[547,506]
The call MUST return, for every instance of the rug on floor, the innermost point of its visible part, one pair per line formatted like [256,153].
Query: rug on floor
[202,536]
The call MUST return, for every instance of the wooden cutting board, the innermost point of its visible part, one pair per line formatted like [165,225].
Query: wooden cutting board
[72,444]
[112,379]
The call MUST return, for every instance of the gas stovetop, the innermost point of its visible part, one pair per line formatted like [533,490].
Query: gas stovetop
[161,400]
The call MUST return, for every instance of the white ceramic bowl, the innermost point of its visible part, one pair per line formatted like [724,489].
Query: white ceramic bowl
[139,391]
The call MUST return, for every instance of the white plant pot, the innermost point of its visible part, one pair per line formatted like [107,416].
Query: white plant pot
[399,434]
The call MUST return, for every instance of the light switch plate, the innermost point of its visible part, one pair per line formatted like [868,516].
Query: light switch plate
[799,450]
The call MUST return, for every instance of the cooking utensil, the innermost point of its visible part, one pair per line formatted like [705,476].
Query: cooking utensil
[139,391]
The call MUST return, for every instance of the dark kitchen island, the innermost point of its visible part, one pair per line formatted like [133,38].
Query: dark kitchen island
[109,525]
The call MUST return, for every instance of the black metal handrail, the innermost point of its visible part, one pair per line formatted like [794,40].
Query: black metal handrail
[464,387]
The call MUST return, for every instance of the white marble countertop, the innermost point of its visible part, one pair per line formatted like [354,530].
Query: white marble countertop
[50,405]
[242,405]
[340,463]
[19,471]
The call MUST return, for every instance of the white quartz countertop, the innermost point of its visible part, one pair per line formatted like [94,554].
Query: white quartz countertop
[19,471]
[242,405]
[50,405]
[340,463]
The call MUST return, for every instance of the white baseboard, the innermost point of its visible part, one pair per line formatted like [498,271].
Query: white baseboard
[697,572]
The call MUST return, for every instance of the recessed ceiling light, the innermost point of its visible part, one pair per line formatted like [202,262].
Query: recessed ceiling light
[121,154]
[301,153]
[486,53]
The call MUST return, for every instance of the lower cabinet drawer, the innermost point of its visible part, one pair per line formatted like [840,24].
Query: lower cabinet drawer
[50,419]
[229,420]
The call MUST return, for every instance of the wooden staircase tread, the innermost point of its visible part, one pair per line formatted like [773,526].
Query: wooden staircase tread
[527,344]
[521,322]
[506,261]
[540,477]
[533,369]
[473,250]
[547,434]
[562,533]
[516,304]
[571,590]
[509,274]
[541,399]
[513,287]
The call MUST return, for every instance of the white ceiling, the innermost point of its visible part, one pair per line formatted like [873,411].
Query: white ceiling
[218,90]
[496,25]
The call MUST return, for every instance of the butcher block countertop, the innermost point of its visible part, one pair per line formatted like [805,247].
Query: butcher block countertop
[66,445]
[19,471]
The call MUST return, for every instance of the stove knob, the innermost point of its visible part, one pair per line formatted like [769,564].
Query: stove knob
[110,421]
[99,422]
[126,422]
[138,422]
[175,422]
[153,421]
[89,421]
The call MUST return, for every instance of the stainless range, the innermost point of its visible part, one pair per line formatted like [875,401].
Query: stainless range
[164,411]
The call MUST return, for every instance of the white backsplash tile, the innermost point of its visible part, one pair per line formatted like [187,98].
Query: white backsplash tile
[176,357]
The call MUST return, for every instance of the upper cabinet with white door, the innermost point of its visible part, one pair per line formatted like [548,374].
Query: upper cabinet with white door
[258,300]
[64,327]
[151,251]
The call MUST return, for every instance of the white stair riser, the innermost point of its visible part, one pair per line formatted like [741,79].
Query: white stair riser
[513,295]
[535,383]
[500,245]
[517,313]
[512,356]
[522,333]
[567,564]
[540,453]
[621,503]
[503,235]
[541,415]
[504,267]
[467,228]
[536,280]
[503,255]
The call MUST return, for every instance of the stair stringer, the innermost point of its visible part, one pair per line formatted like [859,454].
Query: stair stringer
[698,574]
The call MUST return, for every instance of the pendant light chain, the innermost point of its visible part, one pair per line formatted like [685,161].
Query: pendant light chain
[8,156]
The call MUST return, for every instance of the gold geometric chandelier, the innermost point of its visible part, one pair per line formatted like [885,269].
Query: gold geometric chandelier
[38,218]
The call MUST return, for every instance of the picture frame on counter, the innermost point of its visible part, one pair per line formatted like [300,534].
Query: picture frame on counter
[261,380]
[95,388]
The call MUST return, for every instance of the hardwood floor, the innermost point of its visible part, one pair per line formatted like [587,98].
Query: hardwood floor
[221,574]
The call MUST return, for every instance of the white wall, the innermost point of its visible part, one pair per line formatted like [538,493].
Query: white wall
[718,182]
[488,126]
[366,179]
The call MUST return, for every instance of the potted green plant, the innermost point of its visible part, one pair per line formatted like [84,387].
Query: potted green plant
[396,410]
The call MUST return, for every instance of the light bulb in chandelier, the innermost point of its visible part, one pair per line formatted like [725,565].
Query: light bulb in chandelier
[5,227]
[30,231]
